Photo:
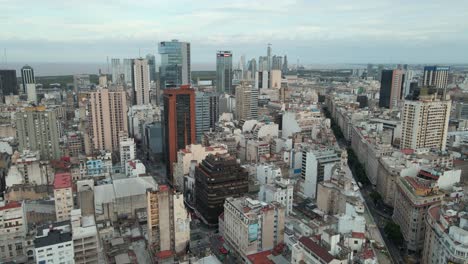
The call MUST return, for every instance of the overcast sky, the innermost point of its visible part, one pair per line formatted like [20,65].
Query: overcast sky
[313,31]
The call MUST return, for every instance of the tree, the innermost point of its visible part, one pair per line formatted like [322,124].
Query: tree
[376,197]
[393,232]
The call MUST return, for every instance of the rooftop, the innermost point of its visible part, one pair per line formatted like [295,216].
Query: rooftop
[54,237]
[260,258]
[316,249]
[62,180]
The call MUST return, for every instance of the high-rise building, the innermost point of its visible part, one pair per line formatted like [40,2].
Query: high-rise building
[29,83]
[277,63]
[37,130]
[246,102]
[252,69]
[127,71]
[152,67]
[107,118]
[127,151]
[425,123]
[206,113]
[412,198]
[179,122]
[8,83]
[63,196]
[81,82]
[141,82]
[175,69]
[218,177]
[317,165]
[224,72]
[251,226]
[285,67]
[436,76]
[262,63]
[168,220]
[117,73]
[391,88]
[461,110]
[268,58]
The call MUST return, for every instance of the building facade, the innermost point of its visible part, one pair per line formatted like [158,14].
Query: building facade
[391,89]
[63,196]
[246,102]
[224,72]
[175,69]
[206,113]
[29,83]
[141,82]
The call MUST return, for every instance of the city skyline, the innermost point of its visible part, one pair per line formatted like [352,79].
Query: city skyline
[318,32]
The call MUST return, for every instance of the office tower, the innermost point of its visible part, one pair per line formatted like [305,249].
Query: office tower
[63,196]
[277,63]
[141,82]
[436,76]
[117,73]
[409,75]
[127,71]
[391,88]
[206,113]
[263,80]
[107,119]
[85,237]
[425,123]
[413,196]
[378,75]
[29,83]
[262,63]
[268,58]
[127,151]
[168,220]
[370,70]
[8,83]
[246,102]
[242,66]
[445,240]
[285,68]
[37,130]
[179,122]
[175,69]
[252,69]
[152,67]
[251,226]
[224,72]
[217,178]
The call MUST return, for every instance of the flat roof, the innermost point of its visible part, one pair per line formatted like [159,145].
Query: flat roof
[62,180]
[317,249]
[54,237]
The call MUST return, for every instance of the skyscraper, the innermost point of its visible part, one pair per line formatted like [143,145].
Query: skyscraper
[285,68]
[175,69]
[29,83]
[436,76]
[277,63]
[268,57]
[179,122]
[425,123]
[246,102]
[152,66]
[127,70]
[206,112]
[391,88]
[224,72]
[117,76]
[252,69]
[262,63]
[107,119]
[37,131]
[8,83]
[141,81]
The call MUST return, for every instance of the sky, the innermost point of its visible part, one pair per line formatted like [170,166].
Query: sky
[311,31]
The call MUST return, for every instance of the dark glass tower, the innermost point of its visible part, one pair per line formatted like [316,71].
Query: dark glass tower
[224,72]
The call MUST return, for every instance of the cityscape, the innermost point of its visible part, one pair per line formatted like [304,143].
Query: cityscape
[259,159]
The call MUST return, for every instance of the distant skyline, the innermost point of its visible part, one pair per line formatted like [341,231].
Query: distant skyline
[313,31]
